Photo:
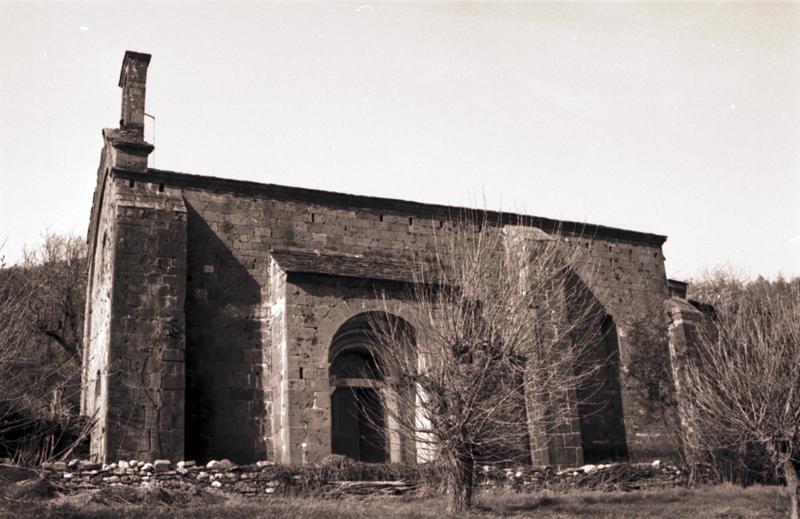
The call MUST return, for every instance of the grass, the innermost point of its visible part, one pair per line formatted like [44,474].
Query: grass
[723,501]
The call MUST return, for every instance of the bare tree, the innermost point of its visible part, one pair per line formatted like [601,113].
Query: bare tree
[55,275]
[501,323]
[744,376]
[41,319]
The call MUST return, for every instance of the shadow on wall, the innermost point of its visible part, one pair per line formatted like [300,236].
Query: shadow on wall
[225,415]
[600,411]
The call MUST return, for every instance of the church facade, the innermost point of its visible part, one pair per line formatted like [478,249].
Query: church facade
[222,316]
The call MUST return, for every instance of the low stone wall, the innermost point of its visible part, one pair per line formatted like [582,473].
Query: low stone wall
[267,478]
[262,478]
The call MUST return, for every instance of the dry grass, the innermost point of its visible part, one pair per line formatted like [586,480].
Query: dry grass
[724,501]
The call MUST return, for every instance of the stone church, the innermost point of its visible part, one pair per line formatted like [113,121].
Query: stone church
[222,315]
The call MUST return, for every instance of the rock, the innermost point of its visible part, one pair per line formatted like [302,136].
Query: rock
[202,475]
[589,468]
[133,464]
[88,465]
[185,464]
[123,464]
[656,463]
[72,464]
[262,464]
[225,464]
[68,475]
[147,467]
[212,464]
[59,466]
[216,484]
[162,465]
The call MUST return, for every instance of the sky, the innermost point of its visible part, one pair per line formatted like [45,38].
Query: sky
[681,119]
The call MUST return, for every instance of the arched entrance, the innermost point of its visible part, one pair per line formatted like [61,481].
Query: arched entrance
[360,424]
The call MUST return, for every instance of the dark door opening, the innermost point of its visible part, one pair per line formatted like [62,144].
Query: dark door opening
[357,429]
[602,420]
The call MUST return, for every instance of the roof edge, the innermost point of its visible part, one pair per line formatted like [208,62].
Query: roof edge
[411,208]
[313,262]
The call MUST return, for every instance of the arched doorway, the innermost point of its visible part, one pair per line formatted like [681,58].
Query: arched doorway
[360,424]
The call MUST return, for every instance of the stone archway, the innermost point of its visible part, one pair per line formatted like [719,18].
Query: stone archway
[361,424]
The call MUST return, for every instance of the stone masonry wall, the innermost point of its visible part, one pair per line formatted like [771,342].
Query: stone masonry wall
[276,376]
[230,229]
[685,327]
[629,280]
[146,374]
[314,310]
[97,326]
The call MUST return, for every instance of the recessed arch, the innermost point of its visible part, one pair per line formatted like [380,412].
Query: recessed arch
[361,424]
